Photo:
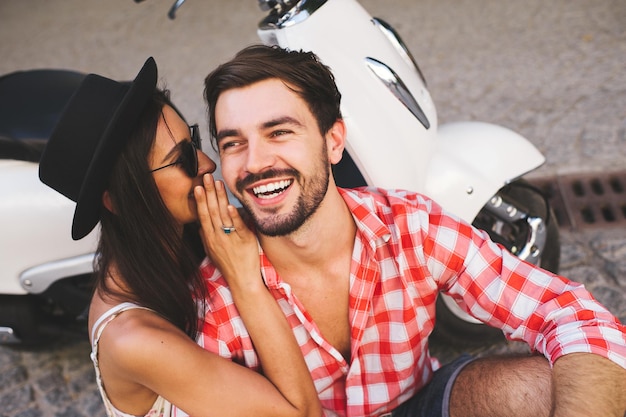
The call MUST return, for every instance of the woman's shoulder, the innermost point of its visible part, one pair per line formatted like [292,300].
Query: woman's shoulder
[123,319]
[126,318]
[136,335]
[128,330]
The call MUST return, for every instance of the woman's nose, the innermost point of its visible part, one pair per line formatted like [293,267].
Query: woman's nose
[205,164]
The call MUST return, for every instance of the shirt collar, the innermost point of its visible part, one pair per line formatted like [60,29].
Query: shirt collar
[363,209]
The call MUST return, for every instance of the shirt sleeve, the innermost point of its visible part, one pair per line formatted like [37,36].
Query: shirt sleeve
[554,315]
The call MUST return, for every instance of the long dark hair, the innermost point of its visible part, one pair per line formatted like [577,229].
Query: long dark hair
[140,240]
[301,71]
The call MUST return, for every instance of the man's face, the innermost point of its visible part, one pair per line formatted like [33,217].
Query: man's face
[273,157]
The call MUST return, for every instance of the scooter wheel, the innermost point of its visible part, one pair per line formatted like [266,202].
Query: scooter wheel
[20,314]
[536,205]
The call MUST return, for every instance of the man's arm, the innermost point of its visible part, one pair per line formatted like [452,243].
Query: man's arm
[586,385]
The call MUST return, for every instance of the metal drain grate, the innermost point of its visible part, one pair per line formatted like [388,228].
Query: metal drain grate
[586,200]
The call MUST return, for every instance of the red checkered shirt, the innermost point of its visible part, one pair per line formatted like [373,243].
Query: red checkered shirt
[407,250]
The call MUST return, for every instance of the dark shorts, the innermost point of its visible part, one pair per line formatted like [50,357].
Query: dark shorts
[434,399]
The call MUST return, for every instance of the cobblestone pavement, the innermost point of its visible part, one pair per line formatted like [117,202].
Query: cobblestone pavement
[552,71]
[58,380]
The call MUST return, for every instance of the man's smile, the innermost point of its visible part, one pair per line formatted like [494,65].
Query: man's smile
[267,185]
[272,189]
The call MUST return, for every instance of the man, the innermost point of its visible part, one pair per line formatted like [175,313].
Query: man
[357,272]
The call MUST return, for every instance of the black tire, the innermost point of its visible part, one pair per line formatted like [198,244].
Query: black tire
[20,313]
[58,313]
[450,328]
[536,204]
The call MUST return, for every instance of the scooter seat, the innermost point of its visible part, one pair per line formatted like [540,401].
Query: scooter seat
[31,102]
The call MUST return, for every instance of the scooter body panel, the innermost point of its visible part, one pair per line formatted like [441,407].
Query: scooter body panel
[32,209]
[460,165]
[472,161]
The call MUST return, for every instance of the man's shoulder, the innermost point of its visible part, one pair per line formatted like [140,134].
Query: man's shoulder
[375,198]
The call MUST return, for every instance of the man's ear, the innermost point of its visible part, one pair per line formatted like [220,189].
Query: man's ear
[336,141]
[106,201]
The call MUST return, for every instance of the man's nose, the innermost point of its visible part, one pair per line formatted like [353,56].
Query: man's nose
[260,156]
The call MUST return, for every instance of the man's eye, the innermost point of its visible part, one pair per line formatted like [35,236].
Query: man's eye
[280,133]
[228,145]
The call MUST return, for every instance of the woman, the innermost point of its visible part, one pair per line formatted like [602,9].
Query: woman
[129,160]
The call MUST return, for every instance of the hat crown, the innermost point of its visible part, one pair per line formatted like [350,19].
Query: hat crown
[75,139]
[92,131]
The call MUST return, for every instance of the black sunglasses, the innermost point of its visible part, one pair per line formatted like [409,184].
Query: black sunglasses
[188,159]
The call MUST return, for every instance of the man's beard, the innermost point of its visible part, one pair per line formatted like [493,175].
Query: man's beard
[312,195]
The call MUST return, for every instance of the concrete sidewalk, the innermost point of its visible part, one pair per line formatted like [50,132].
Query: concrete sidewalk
[552,71]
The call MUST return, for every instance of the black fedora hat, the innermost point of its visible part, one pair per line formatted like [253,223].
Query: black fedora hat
[88,137]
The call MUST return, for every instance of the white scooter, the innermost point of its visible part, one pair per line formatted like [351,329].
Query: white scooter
[45,282]
[473,169]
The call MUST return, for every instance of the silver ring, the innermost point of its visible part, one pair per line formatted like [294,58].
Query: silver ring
[228,229]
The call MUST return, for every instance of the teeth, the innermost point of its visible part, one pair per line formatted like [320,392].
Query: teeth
[272,189]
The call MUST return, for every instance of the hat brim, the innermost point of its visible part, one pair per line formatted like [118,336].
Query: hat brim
[89,202]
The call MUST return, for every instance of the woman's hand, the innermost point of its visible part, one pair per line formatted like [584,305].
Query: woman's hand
[229,243]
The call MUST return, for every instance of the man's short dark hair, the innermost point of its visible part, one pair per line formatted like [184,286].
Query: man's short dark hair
[301,71]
